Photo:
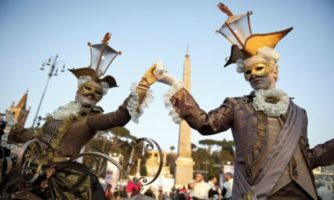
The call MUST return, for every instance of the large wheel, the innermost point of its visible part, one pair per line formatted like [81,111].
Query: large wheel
[31,157]
[98,156]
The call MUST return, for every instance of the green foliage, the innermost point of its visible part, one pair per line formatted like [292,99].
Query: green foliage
[115,146]
[210,161]
[120,132]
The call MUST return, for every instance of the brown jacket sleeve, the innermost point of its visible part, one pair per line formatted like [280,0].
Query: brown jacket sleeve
[19,134]
[217,120]
[321,154]
[119,117]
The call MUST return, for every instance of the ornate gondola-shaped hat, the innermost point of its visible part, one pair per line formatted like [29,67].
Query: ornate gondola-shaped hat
[102,56]
[237,30]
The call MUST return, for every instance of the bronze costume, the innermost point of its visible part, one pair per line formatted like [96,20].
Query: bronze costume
[64,132]
[254,135]
[79,129]
[71,126]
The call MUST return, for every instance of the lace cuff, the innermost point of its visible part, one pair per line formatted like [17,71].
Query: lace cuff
[133,103]
[168,104]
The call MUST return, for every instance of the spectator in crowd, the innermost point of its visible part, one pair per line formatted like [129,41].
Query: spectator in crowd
[108,192]
[323,192]
[181,193]
[149,192]
[133,187]
[227,187]
[214,189]
[2,126]
[199,188]
[172,193]
[161,195]
[123,194]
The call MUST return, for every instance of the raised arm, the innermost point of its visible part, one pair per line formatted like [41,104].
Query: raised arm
[320,155]
[19,134]
[132,107]
[183,106]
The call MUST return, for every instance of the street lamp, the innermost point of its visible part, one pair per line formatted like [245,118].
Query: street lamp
[102,55]
[236,28]
[54,64]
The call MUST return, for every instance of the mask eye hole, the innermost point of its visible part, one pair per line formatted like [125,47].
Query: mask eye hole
[259,68]
[87,88]
[248,72]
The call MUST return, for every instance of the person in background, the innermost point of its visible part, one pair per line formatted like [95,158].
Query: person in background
[228,185]
[214,192]
[149,192]
[323,192]
[172,193]
[2,126]
[123,194]
[199,188]
[108,192]
[161,195]
[106,180]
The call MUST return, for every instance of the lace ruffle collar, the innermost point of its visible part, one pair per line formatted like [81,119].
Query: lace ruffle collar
[262,98]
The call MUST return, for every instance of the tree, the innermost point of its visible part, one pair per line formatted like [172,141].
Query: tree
[205,159]
[208,143]
[193,146]
[172,148]
[107,142]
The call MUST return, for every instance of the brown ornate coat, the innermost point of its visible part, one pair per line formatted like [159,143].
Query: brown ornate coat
[79,130]
[249,132]
[72,179]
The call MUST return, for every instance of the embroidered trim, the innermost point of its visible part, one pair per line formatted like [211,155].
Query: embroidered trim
[168,104]
[259,141]
[136,110]
[67,114]
[293,167]
[61,129]
[248,196]
[265,100]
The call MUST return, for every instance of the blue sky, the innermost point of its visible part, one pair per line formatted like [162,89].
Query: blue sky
[32,31]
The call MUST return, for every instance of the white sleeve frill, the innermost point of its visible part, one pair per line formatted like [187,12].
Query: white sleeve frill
[133,103]
[168,104]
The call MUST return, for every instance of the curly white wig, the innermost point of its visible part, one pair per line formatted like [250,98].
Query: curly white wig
[264,54]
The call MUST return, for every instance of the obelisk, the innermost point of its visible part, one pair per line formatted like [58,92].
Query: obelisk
[184,162]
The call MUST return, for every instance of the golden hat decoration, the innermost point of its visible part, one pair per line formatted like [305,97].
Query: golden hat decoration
[102,56]
[237,30]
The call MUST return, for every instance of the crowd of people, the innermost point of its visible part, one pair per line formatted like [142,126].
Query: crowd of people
[197,189]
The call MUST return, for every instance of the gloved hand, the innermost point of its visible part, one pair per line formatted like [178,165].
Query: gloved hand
[162,76]
[148,78]
[146,81]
